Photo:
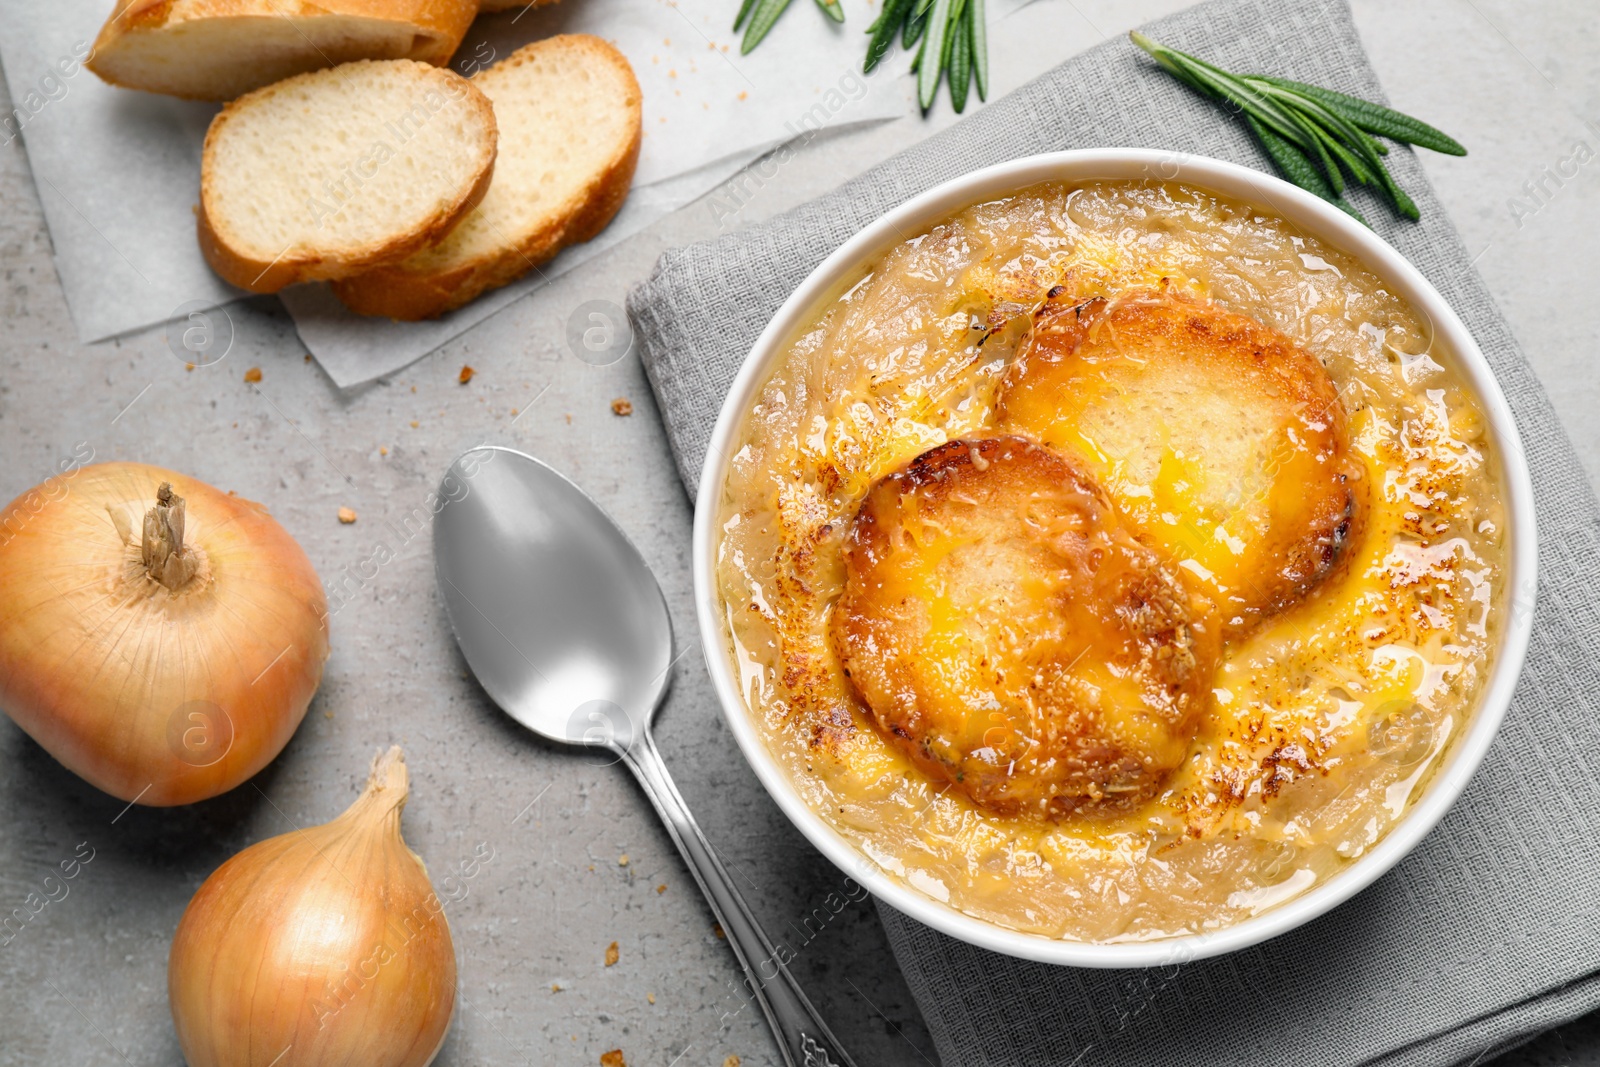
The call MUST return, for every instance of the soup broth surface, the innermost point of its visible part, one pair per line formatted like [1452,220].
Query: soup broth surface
[1323,724]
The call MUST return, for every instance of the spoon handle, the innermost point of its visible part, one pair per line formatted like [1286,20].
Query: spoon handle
[802,1035]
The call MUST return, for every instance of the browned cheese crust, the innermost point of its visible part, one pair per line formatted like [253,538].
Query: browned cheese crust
[1012,637]
[1223,442]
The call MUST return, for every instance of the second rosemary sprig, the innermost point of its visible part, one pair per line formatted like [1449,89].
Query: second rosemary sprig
[1314,136]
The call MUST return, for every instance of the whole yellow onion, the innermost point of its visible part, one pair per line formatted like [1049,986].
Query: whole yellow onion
[158,637]
[321,947]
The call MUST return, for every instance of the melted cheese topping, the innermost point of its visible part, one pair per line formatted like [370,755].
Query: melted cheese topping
[1323,724]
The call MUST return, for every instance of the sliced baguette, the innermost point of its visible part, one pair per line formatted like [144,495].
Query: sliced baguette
[331,173]
[221,49]
[568,109]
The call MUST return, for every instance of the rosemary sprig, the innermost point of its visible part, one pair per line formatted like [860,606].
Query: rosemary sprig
[1312,135]
[950,36]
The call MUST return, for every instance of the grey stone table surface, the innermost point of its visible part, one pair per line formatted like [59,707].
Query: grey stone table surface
[578,859]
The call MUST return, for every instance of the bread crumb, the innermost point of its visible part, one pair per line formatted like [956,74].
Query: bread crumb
[188,366]
[622,860]
[253,374]
[651,997]
[622,406]
[413,388]
[413,424]
[612,954]
[383,450]
[743,95]
[555,987]
[347,515]
[731,1061]
[716,928]
[613,1059]
[466,374]
[308,357]
[569,418]
[513,412]
[662,888]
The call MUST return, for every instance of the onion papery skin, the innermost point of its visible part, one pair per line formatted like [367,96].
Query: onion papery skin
[325,946]
[159,696]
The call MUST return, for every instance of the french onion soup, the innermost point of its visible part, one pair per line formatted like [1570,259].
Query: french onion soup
[1112,561]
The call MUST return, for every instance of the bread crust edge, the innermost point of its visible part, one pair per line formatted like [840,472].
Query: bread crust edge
[443,23]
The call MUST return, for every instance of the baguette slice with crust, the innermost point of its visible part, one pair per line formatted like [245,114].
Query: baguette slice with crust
[337,171]
[568,109]
[220,49]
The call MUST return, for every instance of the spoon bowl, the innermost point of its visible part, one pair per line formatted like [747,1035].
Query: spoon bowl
[556,612]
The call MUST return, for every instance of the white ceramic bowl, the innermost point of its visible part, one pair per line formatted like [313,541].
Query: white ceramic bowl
[1314,216]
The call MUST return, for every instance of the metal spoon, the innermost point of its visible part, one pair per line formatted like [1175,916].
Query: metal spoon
[567,630]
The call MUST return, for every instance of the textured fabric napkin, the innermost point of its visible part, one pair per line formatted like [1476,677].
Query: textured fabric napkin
[1488,932]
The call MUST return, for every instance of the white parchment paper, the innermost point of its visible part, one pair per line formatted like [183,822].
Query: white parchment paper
[118,171]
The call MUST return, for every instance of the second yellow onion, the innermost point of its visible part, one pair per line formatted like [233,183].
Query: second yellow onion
[321,947]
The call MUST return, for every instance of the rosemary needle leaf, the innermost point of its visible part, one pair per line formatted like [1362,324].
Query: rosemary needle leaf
[744,12]
[980,47]
[1375,118]
[833,9]
[929,65]
[951,34]
[762,20]
[960,62]
[915,24]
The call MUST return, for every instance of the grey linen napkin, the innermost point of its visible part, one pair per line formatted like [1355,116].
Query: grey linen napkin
[1487,933]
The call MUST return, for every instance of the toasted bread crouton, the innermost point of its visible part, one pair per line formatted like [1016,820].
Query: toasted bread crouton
[1224,442]
[337,171]
[221,49]
[569,114]
[1012,637]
